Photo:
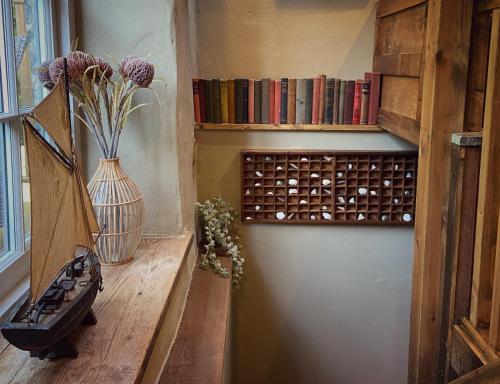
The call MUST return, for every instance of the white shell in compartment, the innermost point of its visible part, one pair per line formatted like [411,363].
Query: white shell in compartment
[280,215]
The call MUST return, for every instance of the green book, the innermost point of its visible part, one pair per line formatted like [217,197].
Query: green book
[341,102]
[257,103]
[309,100]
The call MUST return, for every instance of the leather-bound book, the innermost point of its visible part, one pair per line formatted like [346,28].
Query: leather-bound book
[277,102]
[309,100]
[322,89]
[365,101]
[251,101]
[300,102]
[203,107]
[223,102]
[216,101]
[230,102]
[336,99]
[374,97]
[196,101]
[264,109]
[356,111]
[284,101]
[258,101]
[341,102]
[209,101]
[348,101]
[315,105]
[238,101]
[272,85]
[245,100]
[292,95]
[329,92]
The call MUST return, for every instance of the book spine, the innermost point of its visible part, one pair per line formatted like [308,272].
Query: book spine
[265,101]
[251,101]
[341,102]
[315,106]
[348,102]
[196,101]
[238,101]
[223,102]
[336,99]
[300,102]
[356,111]
[209,101]
[230,102]
[258,101]
[277,102]
[292,96]
[374,98]
[330,86]
[216,101]
[365,101]
[272,85]
[203,107]
[245,100]
[322,89]
[309,100]
[284,101]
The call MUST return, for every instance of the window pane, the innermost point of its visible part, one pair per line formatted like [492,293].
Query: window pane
[31,45]
[25,186]
[4,98]
[3,197]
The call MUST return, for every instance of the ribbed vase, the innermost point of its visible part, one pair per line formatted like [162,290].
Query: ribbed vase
[119,208]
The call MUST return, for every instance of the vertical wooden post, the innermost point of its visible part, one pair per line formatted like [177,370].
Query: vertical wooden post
[443,106]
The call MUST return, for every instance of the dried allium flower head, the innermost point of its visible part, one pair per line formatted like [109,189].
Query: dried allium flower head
[44,75]
[78,62]
[56,68]
[126,59]
[104,67]
[140,72]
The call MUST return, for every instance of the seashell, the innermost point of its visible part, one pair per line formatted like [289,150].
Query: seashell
[407,192]
[409,175]
[341,199]
[302,202]
[349,166]
[313,217]
[407,217]
[373,166]
[257,207]
[341,208]
[269,193]
[327,158]
[373,193]
[294,166]
[268,158]
[291,215]
[248,218]
[247,192]
[314,191]
[314,175]
[280,215]
[352,200]
[257,184]
[279,168]
[292,181]
[362,191]
[279,183]
[385,218]
[387,182]
[248,159]
[259,174]
[361,216]
[396,166]
[304,159]
[324,207]
[326,215]
[292,191]
[326,181]
[396,201]
[339,175]
[281,199]
[340,182]
[327,191]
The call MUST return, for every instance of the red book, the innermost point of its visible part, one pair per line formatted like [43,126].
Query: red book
[316,97]
[196,101]
[277,102]
[201,91]
[271,101]
[374,96]
[356,109]
[322,87]
[251,101]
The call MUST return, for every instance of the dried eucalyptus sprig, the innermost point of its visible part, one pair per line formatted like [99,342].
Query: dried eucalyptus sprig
[220,231]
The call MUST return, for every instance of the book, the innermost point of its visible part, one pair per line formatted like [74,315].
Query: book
[315,103]
[356,109]
[203,107]
[284,101]
[223,102]
[365,101]
[300,102]
[264,109]
[292,95]
[209,101]
[196,101]
[322,88]
[238,101]
[341,102]
[272,85]
[258,101]
[216,107]
[309,100]
[230,102]
[245,100]
[251,101]
[336,99]
[277,102]
[374,77]
[329,94]
[348,101]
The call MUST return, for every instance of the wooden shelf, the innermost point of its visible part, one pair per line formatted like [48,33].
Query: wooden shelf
[288,127]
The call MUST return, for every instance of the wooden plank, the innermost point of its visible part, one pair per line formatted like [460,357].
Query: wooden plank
[467,139]
[489,190]
[494,336]
[198,352]
[401,126]
[488,374]
[464,357]
[129,310]
[488,5]
[487,353]
[399,95]
[443,105]
[405,64]
[388,7]
[287,127]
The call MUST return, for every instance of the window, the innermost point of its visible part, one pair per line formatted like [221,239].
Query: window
[25,42]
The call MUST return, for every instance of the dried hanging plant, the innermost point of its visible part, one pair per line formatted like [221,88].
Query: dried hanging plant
[104,98]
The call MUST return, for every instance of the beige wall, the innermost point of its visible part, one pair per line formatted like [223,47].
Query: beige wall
[319,304]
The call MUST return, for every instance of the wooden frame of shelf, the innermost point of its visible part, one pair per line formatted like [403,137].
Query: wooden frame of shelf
[288,127]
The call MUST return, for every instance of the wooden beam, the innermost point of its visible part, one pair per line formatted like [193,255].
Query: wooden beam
[287,127]
[488,5]
[388,7]
[401,126]
[443,105]
[488,374]
[489,189]
[494,337]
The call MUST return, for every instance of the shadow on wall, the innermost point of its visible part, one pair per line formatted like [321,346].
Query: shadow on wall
[325,4]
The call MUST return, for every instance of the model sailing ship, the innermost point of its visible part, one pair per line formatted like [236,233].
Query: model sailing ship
[65,271]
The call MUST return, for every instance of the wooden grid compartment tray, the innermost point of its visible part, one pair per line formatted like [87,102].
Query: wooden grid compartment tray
[328,187]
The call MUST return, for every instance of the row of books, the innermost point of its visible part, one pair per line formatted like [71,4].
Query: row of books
[319,100]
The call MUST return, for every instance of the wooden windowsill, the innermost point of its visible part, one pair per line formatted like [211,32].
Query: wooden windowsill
[288,127]
[130,313]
